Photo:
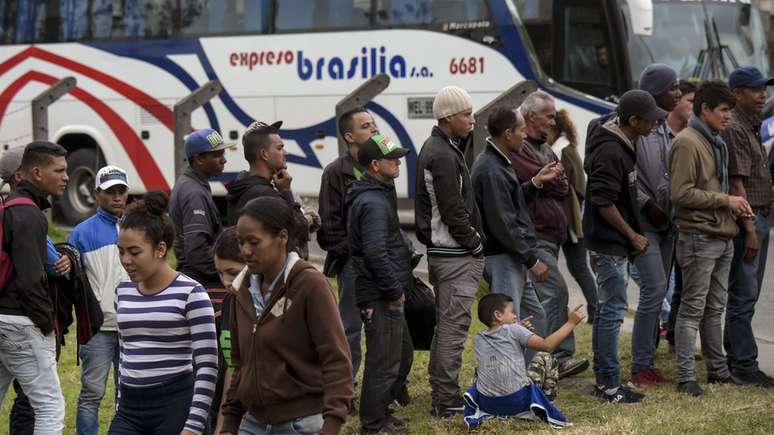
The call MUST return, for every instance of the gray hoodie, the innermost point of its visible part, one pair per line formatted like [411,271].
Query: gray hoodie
[653,172]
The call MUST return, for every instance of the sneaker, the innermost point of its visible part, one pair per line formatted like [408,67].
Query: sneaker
[659,376]
[390,426]
[690,387]
[757,379]
[572,366]
[642,380]
[720,380]
[403,398]
[619,395]
[446,411]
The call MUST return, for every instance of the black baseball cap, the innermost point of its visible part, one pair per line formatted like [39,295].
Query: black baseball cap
[748,77]
[379,147]
[641,104]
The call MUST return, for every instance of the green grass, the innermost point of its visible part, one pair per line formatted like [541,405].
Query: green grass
[723,409]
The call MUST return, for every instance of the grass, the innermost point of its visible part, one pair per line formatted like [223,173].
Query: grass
[723,409]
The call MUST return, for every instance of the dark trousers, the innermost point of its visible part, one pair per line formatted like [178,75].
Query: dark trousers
[675,306]
[159,410]
[388,359]
[578,264]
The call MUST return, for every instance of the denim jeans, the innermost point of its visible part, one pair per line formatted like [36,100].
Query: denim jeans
[611,287]
[455,281]
[744,288]
[705,262]
[159,409]
[97,356]
[30,358]
[578,264]
[308,425]
[349,312]
[554,296]
[388,359]
[508,277]
[653,268]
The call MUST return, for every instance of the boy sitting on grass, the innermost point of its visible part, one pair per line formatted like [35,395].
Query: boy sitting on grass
[502,387]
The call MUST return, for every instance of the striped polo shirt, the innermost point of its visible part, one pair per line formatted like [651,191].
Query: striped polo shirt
[163,336]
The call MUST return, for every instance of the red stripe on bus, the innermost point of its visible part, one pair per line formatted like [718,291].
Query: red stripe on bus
[135,148]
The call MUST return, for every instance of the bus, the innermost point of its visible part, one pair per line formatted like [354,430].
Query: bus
[292,60]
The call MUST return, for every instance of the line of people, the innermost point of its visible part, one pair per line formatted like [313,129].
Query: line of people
[246,336]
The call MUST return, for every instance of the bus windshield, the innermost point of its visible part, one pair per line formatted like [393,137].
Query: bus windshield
[679,38]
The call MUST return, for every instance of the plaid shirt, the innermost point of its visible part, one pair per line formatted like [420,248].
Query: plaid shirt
[748,158]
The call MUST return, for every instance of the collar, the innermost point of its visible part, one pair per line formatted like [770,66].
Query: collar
[189,171]
[25,188]
[753,121]
[351,167]
[456,144]
[497,150]
[104,214]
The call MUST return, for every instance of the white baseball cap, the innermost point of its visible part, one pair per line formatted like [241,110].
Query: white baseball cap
[110,176]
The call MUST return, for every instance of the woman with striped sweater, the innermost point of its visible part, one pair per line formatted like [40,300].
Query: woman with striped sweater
[168,349]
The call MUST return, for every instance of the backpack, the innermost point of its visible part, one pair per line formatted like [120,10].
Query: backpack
[6,263]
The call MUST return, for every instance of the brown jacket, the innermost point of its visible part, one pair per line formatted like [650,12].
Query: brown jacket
[292,362]
[699,203]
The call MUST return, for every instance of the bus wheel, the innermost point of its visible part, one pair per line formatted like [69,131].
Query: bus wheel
[78,201]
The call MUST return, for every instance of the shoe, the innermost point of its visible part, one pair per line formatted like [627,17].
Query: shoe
[718,380]
[642,380]
[390,426]
[446,411]
[757,379]
[690,387]
[572,366]
[620,395]
[403,398]
[659,376]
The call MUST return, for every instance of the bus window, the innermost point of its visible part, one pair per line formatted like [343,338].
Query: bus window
[80,20]
[407,12]
[202,17]
[299,15]
[23,21]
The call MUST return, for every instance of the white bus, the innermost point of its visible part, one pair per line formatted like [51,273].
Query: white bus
[294,59]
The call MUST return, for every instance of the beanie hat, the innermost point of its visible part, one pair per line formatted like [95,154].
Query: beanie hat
[10,162]
[657,78]
[450,101]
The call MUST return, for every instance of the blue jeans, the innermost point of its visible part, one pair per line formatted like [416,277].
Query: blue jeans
[744,288]
[507,277]
[653,267]
[309,425]
[97,356]
[350,313]
[30,357]
[611,288]
[554,296]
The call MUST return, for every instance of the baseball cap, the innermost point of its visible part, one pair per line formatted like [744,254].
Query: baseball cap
[205,140]
[379,147]
[110,176]
[641,104]
[748,77]
[10,162]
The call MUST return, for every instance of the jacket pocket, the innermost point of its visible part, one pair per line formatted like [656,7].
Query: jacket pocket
[276,384]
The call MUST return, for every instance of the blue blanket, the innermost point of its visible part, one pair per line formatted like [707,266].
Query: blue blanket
[479,408]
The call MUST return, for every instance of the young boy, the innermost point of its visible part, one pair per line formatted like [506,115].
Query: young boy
[502,386]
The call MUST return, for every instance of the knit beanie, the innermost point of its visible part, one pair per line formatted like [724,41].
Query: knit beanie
[10,162]
[657,78]
[450,101]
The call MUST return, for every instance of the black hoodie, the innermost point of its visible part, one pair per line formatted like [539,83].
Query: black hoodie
[612,180]
[381,258]
[246,187]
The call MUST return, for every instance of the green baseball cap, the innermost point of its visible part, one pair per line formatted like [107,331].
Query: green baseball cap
[379,147]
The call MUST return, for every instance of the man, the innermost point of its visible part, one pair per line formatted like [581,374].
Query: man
[268,176]
[612,229]
[26,311]
[748,169]
[655,264]
[547,213]
[382,262]
[355,127]
[449,225]
[193,212]
[96,238]
[706,215]
[511,244]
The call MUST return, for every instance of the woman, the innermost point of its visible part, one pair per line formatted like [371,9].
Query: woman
[292,369]
[230,265]
[564,140]
[166,329]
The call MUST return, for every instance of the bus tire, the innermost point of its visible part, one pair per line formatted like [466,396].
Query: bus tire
[78,201]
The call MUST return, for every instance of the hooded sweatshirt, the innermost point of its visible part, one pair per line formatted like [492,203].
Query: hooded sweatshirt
[250,186]
[612,181]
